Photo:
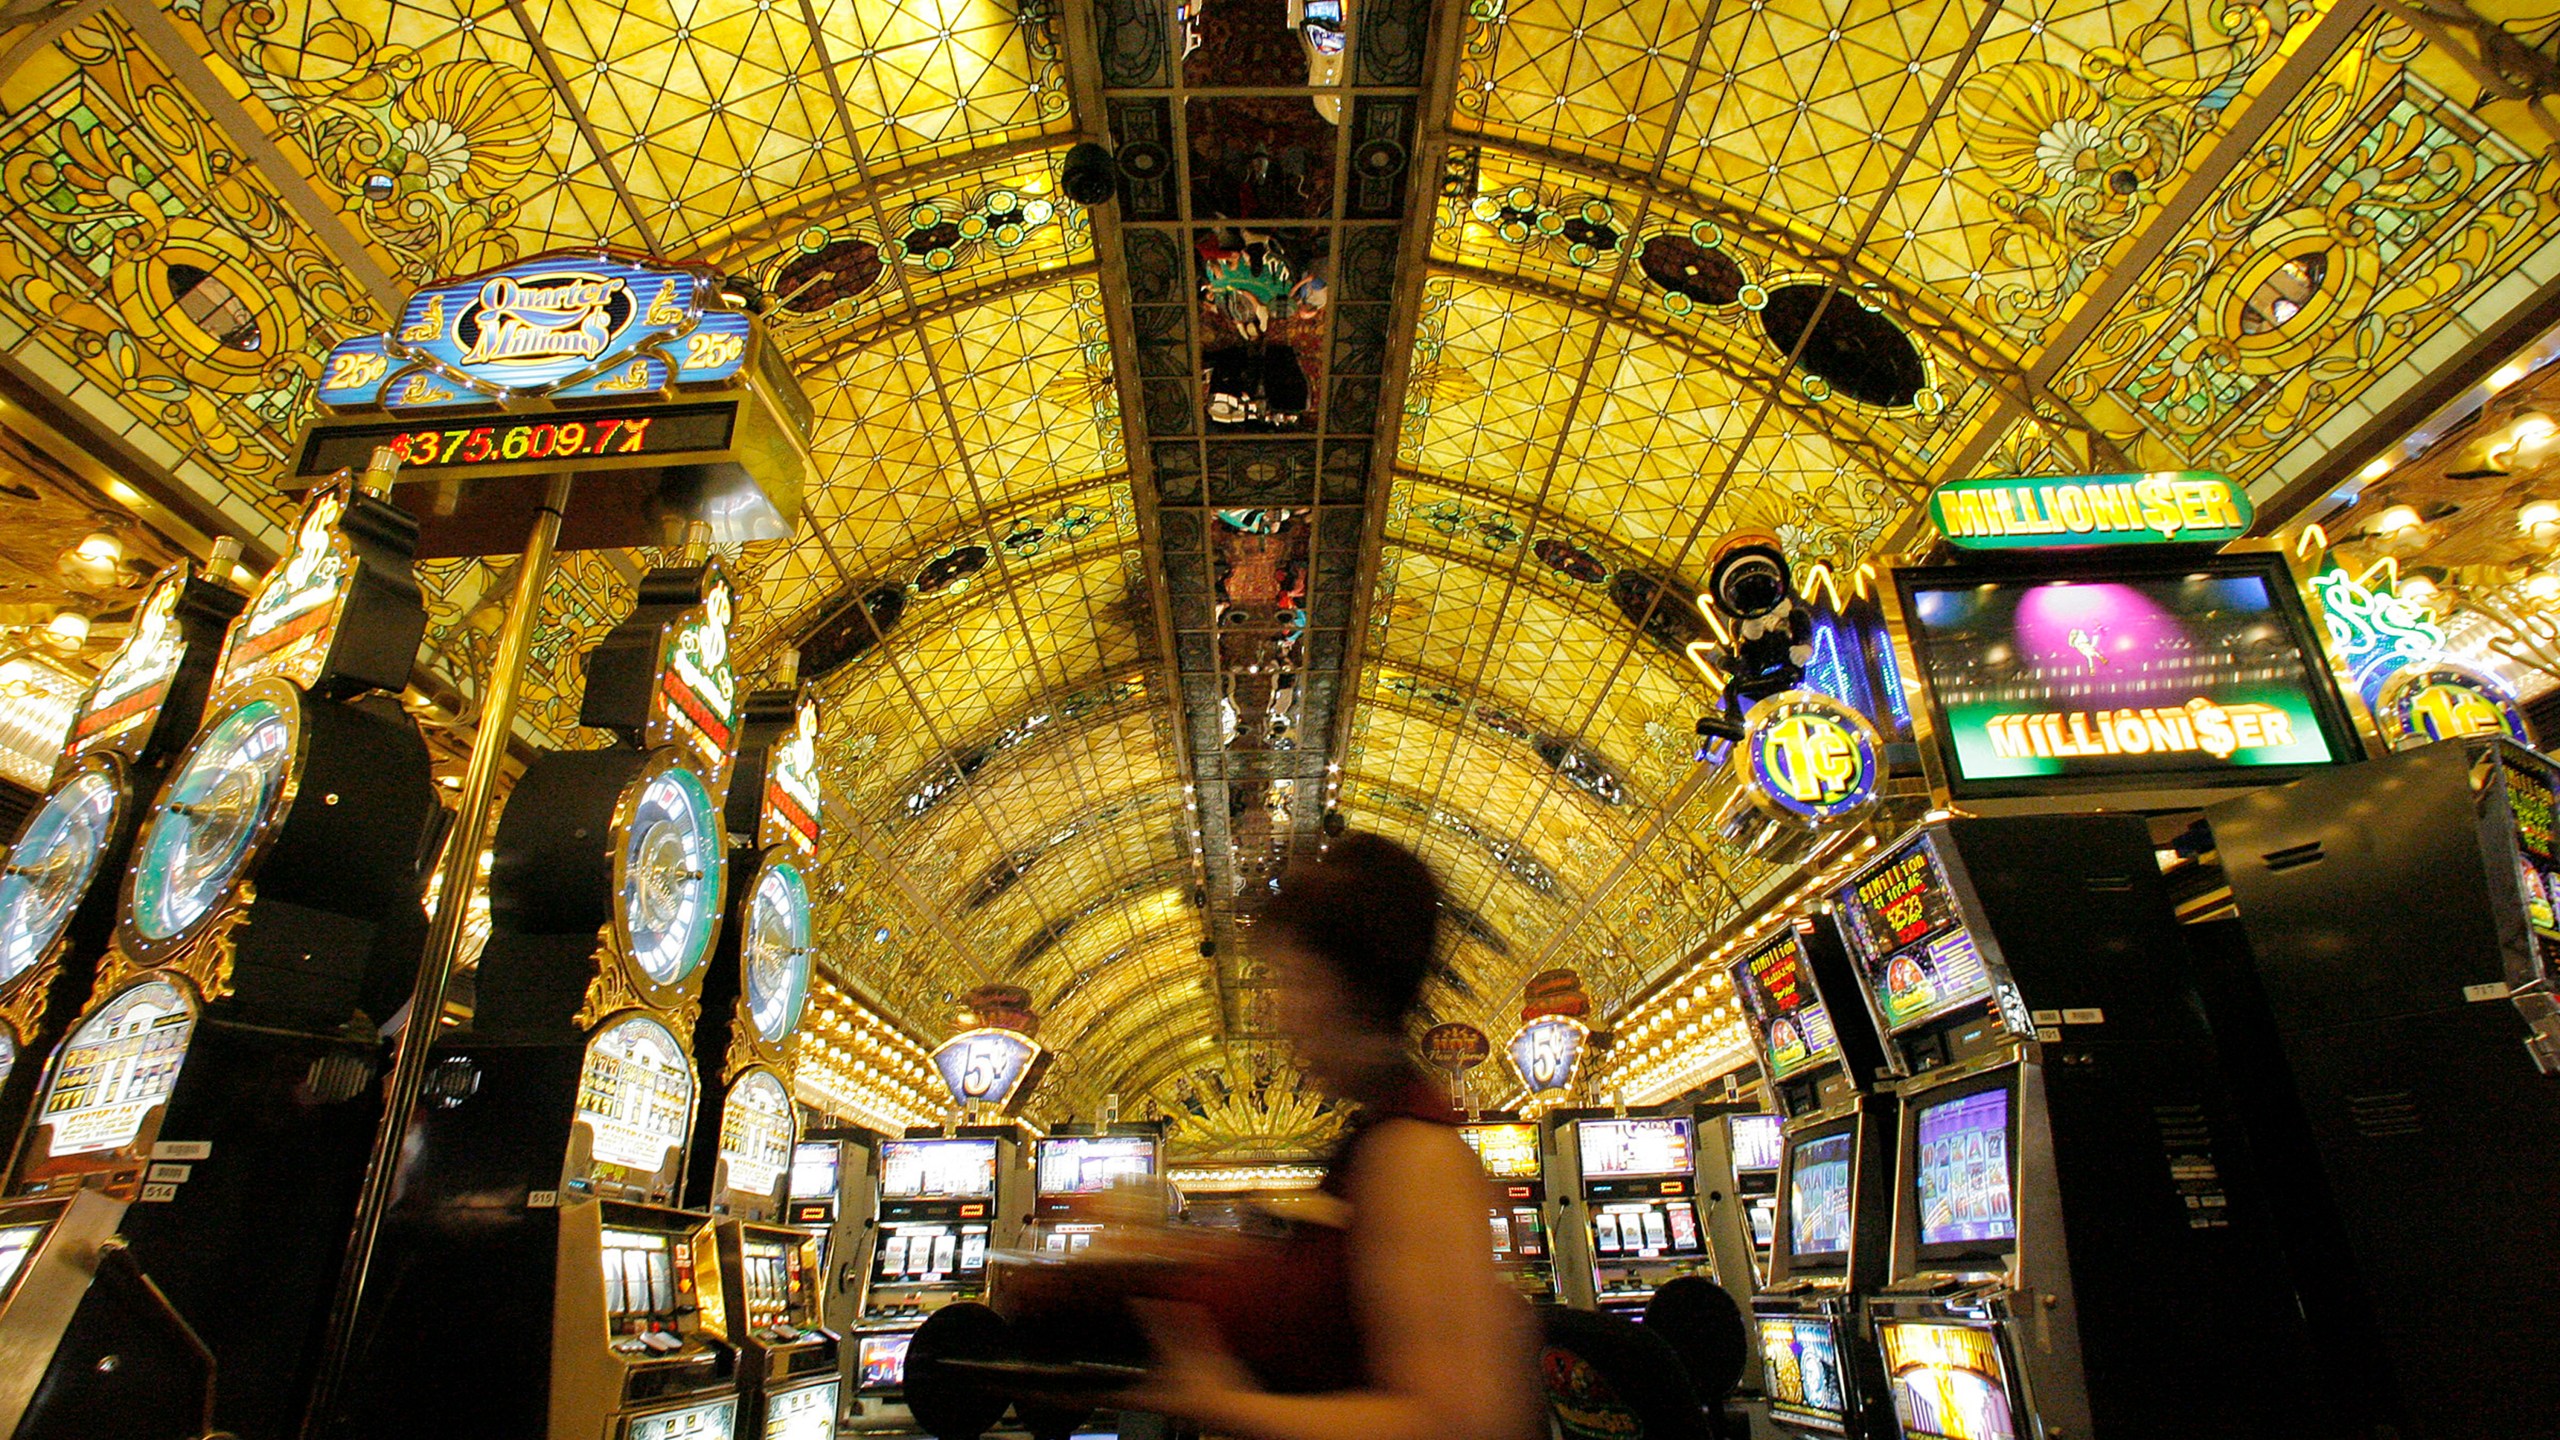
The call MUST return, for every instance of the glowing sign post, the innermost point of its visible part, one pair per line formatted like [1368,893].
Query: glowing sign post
[2186,507]
[986,1069]
[2421,704]
[1548,1054]
[1806,765]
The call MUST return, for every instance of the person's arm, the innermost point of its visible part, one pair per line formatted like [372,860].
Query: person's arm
[1448,1347]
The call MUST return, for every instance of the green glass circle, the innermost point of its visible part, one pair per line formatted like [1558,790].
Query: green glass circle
[52,866]
[201,832]
[672,869]
[775,954]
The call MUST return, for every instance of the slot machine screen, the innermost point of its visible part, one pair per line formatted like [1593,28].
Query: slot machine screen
[1949,1381]
[712,1420]
[1801,1371]
[1619,1149]
[1501,1236]
[117,1067]
[17,1242]
[1961,1161]
[2193,673]
[1818,1197]
[1508,1150]
[1787,1018]
[635,1095]
[883,1359]
[1757,1140]
[767,1282]
[816,1170]
[805,1413]
[1764,1221]
[963,1169]
[1090,1164]
[1531,1231]
[1905,932]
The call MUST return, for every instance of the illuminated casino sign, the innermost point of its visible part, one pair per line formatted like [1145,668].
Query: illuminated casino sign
[1456,1045]
[985,1068]
[697,691]
[132,686]
[2444,701]
[567,325]
[1548,1053]
[2026,513]
[294,615]
[790,814]
[1811,756]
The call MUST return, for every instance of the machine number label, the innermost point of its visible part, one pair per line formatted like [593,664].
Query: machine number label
[2494,990]
[542,1200]
[182,1150]
[156,1194]
[2090,1016]
[2046,1017]
[173,1174]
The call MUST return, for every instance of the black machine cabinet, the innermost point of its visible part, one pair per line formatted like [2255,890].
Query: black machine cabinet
[221,1088]
[1830,1241]
[2386,993]
[2077,1249]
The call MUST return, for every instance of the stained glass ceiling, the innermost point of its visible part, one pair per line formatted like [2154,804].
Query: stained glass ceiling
[1363,453]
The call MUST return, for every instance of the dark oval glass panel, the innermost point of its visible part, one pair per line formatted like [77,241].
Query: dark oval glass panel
[1854,350]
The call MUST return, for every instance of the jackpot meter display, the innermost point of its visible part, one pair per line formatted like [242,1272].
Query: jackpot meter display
[1794,1029]
[1906,937]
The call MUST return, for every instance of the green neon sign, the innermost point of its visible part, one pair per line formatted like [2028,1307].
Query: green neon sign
[2053,512]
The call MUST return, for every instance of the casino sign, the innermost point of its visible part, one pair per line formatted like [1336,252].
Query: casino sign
[649,380]
[1806,764]
[2422,704]
[1548,1054]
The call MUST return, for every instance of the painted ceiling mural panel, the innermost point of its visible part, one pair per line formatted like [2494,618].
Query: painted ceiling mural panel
[1442,385]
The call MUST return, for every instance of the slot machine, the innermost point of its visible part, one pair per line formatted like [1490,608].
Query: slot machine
[1072,1172]
[831,1185]
[1753,1143]
[539,1278]
[1635,1183]
[2075,1247]
[211,1108]
[2388,993]
[58,894]
[940,1209]
[1831,1152]
[745,1140]
[1515,1171]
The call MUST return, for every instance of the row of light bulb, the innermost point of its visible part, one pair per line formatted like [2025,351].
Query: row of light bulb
[853,1054]
[1694,1022]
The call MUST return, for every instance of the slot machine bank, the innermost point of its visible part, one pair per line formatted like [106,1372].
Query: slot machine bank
[537,1277]
[746,1139]
[1832,1152]
[1515,1171]
[180,1193]
[66,870]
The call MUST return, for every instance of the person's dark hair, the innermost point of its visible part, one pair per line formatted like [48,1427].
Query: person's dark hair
[1370,909]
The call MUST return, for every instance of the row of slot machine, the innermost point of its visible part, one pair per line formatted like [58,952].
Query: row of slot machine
[207,934]
[913,1220]
[1597,1209]
[2053,1163]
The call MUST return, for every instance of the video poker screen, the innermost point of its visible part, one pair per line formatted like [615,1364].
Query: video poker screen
[1962,1164]
[1508,1149]
[1089,1164]
[1616,1149]
[913,1169]
[1757,1140]
[1818,1197]
[2204,673]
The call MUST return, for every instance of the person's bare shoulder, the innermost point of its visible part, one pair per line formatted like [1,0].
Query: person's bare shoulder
[1414,1156]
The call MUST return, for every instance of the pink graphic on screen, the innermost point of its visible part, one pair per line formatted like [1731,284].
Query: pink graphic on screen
[1963,1162]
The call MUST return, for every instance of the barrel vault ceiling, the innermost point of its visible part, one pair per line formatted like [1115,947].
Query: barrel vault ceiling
[1363,453]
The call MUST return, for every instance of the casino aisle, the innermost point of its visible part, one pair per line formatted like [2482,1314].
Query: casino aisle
[657,658]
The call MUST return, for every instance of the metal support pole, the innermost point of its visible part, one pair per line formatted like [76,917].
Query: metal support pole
[444,944]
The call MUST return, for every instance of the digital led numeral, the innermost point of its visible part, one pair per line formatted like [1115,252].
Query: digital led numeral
[543,440]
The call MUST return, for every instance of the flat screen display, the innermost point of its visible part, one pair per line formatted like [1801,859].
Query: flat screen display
[17,1242]
[915,1169]
[815,1170]
[1508,1149]
[1906,935]
[1613,1149]
[2200,674]
[884,1360]
[1801,1368]
[1818,1197]
[1757,1140]
[1962,1165]
[1787,1018]
[1764,1221]
[807,1413]
[1088,1164]
[1948,1381]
